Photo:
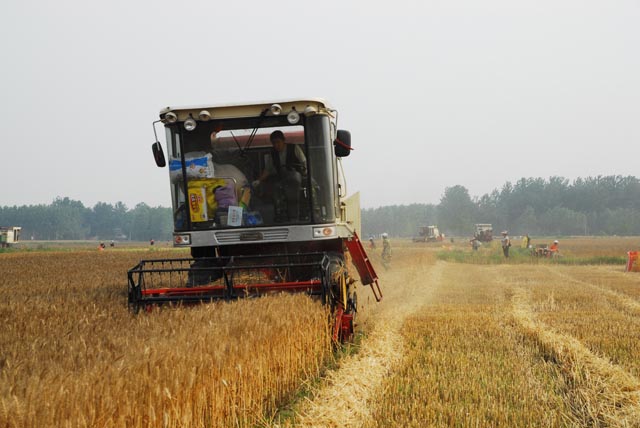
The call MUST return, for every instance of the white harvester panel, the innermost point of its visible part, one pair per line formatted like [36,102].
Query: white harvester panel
[9,235]
[352,212]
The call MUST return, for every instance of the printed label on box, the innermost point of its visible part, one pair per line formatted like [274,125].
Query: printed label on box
[198,204]
[234,216]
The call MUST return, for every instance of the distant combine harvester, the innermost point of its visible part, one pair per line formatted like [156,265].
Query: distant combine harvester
[9,236]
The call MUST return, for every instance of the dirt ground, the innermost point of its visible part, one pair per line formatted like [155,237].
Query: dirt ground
[344,398]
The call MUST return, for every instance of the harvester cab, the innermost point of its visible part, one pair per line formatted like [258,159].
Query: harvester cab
[484,232]
[259,197]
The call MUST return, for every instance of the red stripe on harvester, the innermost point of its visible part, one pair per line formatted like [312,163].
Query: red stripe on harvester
[197,290]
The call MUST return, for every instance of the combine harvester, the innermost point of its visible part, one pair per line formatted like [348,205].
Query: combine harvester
[428,234]
[259,197]
[483,232]
[9,236]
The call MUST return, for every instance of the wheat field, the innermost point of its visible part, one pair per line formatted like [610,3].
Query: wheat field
[452,344]
[73,356]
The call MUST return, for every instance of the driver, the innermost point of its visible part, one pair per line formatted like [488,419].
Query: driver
[286,169]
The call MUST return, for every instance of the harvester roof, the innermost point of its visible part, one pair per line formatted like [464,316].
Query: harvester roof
[252,109]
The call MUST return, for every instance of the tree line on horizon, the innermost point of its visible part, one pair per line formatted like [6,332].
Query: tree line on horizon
[603,205]
[68,219]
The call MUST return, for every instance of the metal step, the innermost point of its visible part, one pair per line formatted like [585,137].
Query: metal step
[363,265]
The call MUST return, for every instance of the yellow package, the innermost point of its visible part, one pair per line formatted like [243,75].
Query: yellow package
[198,204]
[202,199]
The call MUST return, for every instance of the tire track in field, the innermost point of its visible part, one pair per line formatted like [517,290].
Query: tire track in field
[623,301]
[343,398]
[602,393]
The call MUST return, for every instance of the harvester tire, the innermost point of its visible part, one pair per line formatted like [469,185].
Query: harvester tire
[335,269]
[352,304]
[134,296]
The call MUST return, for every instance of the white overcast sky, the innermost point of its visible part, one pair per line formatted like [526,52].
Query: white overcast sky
[435,93]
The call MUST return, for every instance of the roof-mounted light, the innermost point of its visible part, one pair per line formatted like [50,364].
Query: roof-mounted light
[310,110]
[170,117]
[275,109]
[204,115]
[190,124]
[293,117]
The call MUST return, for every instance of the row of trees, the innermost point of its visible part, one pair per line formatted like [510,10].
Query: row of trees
[607,205]
[592,206]
[65,218]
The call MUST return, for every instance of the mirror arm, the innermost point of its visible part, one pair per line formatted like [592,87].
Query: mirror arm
[155,134]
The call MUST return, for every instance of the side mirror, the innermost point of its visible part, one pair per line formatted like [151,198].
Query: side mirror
[158,154]
[342,144]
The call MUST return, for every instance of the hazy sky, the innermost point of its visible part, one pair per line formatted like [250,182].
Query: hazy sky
[435,93]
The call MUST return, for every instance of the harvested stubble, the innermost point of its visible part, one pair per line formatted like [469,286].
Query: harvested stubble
[72,355]
[590,323]
[590,304]
[345,396]
[598,246]
[467,364]
[601,393]
[606,278]
[478,354]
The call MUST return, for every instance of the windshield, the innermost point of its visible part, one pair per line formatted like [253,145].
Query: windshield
[227,174]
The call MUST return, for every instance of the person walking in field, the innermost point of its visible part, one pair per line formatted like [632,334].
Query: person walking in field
[506,243]
[386,251]
[475,244]
[526,241]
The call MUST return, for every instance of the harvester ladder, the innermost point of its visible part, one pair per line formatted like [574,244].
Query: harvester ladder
[363,265]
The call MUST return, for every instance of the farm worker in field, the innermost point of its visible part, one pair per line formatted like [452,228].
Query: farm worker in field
[475,244]
[372,243]
[506,243]
[554,249]
[286,169]
[526,241]
[386,251]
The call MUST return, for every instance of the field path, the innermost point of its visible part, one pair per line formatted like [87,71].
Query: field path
[343,397]
[604,394]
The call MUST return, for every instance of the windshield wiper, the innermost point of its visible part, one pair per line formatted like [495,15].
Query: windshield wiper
[255,130]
